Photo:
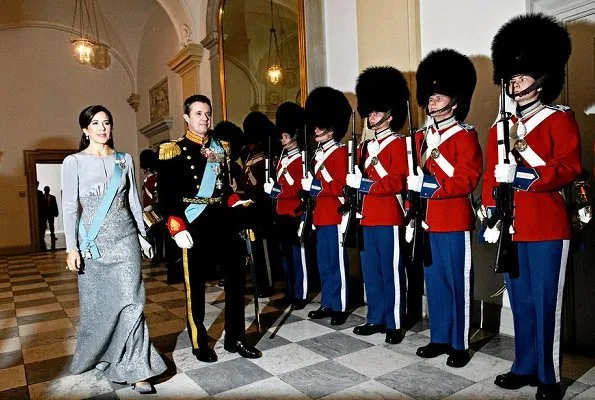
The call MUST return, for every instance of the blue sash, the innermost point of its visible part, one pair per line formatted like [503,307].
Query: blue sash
[88,245]
[207,184]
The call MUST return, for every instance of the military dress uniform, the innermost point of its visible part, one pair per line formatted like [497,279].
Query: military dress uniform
[451,174]
[286,192]
[385,171]
[451,161]
[547,160]
[330,170]
[187,166]
[545,157]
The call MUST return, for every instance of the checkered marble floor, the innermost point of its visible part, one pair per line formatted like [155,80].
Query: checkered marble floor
[302,359]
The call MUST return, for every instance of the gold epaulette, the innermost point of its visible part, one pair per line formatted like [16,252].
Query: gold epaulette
[169,150]
[226,146]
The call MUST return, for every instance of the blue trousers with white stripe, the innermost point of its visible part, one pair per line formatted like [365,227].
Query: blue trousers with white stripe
[293,260]
[384,276]
[449,283]
[536,301]
[332,267]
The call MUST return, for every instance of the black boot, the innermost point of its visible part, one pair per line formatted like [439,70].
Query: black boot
[322,312]
[394,336]
[339,317]
[300,304]
[369,329]
[433,350]
[205,354]
[242,347]
[548,391]
[458,358]
[513,381]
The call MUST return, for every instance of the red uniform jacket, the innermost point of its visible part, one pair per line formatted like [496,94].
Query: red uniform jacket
[149,190]
[540,211]
[449,207]
[329,179]
[289,179]
[385,178]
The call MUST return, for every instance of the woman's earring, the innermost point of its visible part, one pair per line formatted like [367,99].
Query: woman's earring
[87,136]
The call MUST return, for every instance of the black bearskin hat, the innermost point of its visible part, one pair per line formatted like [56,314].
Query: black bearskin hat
[290,119]
[148,160]
[381,89]
[535,45]
[449,73]
[232,134]
[258,128]
[328,108]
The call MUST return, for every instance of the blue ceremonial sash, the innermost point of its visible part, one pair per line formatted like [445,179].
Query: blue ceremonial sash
[207,184]
[88,245]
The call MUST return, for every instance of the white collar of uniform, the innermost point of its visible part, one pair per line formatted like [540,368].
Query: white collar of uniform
[383,135]
[292,152]
[328,145]
[447,123]
[530,111]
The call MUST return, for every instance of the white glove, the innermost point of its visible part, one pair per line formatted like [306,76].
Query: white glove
[146,247]
[491,235]
[409,233]
[148,208]
[243,203]
[414,182]
[268,186]
[585,214]
[355,180]
[504,173]
[307,182]
[184,240]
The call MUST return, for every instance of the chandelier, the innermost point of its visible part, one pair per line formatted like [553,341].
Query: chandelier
[274,70]
[84,35]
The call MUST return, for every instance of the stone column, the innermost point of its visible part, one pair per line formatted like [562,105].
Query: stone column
[210,42]
[187,64]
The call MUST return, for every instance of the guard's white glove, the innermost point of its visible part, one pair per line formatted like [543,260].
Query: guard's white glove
[148,208]
[355,180]
[268,186]
[146,247]
[243,203]
[307,182]
[491,235]
[414,182]
[184,240]
[504,173]
[482,213]
[409,233]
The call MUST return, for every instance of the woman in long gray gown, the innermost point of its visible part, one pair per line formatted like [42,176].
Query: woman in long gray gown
[113,335]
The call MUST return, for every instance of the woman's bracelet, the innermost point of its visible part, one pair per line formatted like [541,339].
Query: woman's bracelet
[75,249]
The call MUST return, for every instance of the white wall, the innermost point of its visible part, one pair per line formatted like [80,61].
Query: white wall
[340,21]
[43,91]
[465,25]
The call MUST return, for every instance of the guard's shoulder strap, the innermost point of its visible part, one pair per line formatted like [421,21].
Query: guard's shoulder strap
[559,107]
[466,127]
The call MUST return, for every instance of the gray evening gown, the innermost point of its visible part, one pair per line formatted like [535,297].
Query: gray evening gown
[113,334]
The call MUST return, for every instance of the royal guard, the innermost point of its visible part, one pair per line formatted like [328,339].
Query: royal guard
[148,163]
[327,115]
[258,132]
[382,96]
[450,168]
[197,199]
[285,189]
[530,53]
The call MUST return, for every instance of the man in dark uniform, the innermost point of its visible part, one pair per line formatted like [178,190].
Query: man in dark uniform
[52,212]
[258,128]
[197,199]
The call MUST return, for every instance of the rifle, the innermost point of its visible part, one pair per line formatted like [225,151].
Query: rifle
[507,255]
[248,236]
[352,206]
[417,206]
[307,202]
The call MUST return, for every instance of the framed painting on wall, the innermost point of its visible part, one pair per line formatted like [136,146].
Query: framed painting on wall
[159,100]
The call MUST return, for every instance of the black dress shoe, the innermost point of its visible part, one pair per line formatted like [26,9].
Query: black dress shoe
[205,354]
[242,347]
[394,336]
[300,304]
[322,312]
[458,358]
[339,317]
[513,381]
[433,350]
[369,329]
[548,392]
